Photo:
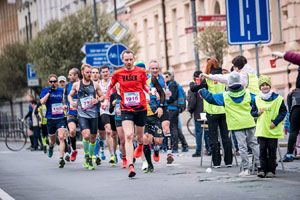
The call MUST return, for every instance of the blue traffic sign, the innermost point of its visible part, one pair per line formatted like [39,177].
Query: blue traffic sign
[114,54]
[96,53]
[248,21]
[31,73]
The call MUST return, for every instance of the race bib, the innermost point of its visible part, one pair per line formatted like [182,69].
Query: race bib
[86,102]
[132,98]
[57,109]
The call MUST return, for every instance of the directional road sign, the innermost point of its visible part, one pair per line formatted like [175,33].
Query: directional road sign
[248,21]
[114,54]
[96,53]
[32,78]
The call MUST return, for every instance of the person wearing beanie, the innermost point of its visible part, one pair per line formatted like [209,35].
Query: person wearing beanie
[293,103]
[271,112]
[140,64]
[239,106]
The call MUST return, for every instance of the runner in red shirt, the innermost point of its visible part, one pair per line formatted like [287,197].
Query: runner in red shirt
[133,84]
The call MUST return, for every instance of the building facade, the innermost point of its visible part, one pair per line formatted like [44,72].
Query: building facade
[9,32]
[145,20]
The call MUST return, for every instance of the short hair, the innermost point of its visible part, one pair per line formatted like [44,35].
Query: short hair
[127,51]
[239,62]
[153,61]
[84,66]
[104,67]
[52,75]
[75,71]
[197,73]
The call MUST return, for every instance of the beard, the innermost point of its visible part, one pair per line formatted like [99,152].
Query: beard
[87,77]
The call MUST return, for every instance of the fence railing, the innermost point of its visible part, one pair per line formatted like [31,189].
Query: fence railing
[9,123]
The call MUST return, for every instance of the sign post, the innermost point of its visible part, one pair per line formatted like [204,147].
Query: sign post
[248,22]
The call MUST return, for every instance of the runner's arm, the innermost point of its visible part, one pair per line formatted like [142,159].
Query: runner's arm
[72,92]
[45,95]
[160,91]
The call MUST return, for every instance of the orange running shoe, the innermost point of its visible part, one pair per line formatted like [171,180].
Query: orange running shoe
[138,151]
[156,156]
[73,156]
[124,163]
[131,171]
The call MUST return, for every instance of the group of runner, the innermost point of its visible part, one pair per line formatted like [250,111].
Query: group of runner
[112,109]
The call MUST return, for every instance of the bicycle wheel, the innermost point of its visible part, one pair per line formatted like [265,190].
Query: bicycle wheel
[15,140]
[188,124]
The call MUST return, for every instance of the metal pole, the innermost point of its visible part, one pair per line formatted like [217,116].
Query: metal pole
[279,20]
[26,27]
[96,35]
[29,21]
[241,49]
[257,61]
[115,10]
[163,7]
[196,53]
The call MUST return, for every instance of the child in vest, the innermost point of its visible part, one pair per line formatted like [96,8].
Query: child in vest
[238,108]
[269,128]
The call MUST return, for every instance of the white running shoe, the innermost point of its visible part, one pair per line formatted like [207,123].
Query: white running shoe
[244,173]
[145,166]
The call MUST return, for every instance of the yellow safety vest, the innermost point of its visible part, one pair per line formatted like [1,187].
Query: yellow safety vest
[264,120]
[253,84]
[238,115]
[214,87]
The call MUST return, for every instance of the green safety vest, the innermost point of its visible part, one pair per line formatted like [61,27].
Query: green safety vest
[42,112]
[214,87]
[253,84]
[238,115]
[264,120]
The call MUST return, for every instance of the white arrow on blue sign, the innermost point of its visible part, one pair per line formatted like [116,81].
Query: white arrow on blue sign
[96,53]
[114,54]
[32,78]
[248,21]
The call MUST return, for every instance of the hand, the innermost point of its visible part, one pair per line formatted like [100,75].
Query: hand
[114,102]
[104,104]
[102,98]
[272,125]
[278,54]
[65,107]
[159,112]
[260,111]
[169,93]
[73,104]
[94,101]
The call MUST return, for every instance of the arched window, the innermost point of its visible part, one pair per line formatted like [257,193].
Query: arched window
[217,9]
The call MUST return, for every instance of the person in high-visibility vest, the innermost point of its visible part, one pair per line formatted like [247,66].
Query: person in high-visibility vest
[238,104]
[248,76]
[269,128]
[216,118]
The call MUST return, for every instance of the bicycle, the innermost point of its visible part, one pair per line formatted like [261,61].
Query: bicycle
[16,139]
[188,124]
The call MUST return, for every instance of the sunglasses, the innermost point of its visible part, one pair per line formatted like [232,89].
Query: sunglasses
[53,81]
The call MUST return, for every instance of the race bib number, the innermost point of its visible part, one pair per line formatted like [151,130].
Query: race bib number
[132,98]
[57,109]
[86,102]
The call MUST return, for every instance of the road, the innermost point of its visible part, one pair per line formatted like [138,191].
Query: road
[32,175]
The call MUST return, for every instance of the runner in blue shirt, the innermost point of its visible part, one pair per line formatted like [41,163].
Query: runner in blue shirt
[52,97]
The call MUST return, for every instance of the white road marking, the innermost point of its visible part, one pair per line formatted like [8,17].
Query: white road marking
[241,11]
[5,196]
[257,12]
[249,35]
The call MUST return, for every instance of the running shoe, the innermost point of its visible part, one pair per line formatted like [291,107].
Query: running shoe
[150,168]
[170,159]
[145,167]
[112,160]
[67,157]
[244,173]
[138,151]
[261,174]
[288,158]
[124,163]
[90,164]
[98,160]
[116,158]
[120,156]
[61,163]
[86,164]
[270,175]
[156,156]
[73,155]
[103,157]
[131,171]
[50,152]
[45,149]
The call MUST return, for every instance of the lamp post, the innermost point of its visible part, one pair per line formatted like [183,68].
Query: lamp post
[27,5]
[96,35]
[196,53]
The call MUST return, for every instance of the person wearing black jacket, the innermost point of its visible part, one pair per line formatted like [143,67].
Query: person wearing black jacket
[195,107]
[172,98]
